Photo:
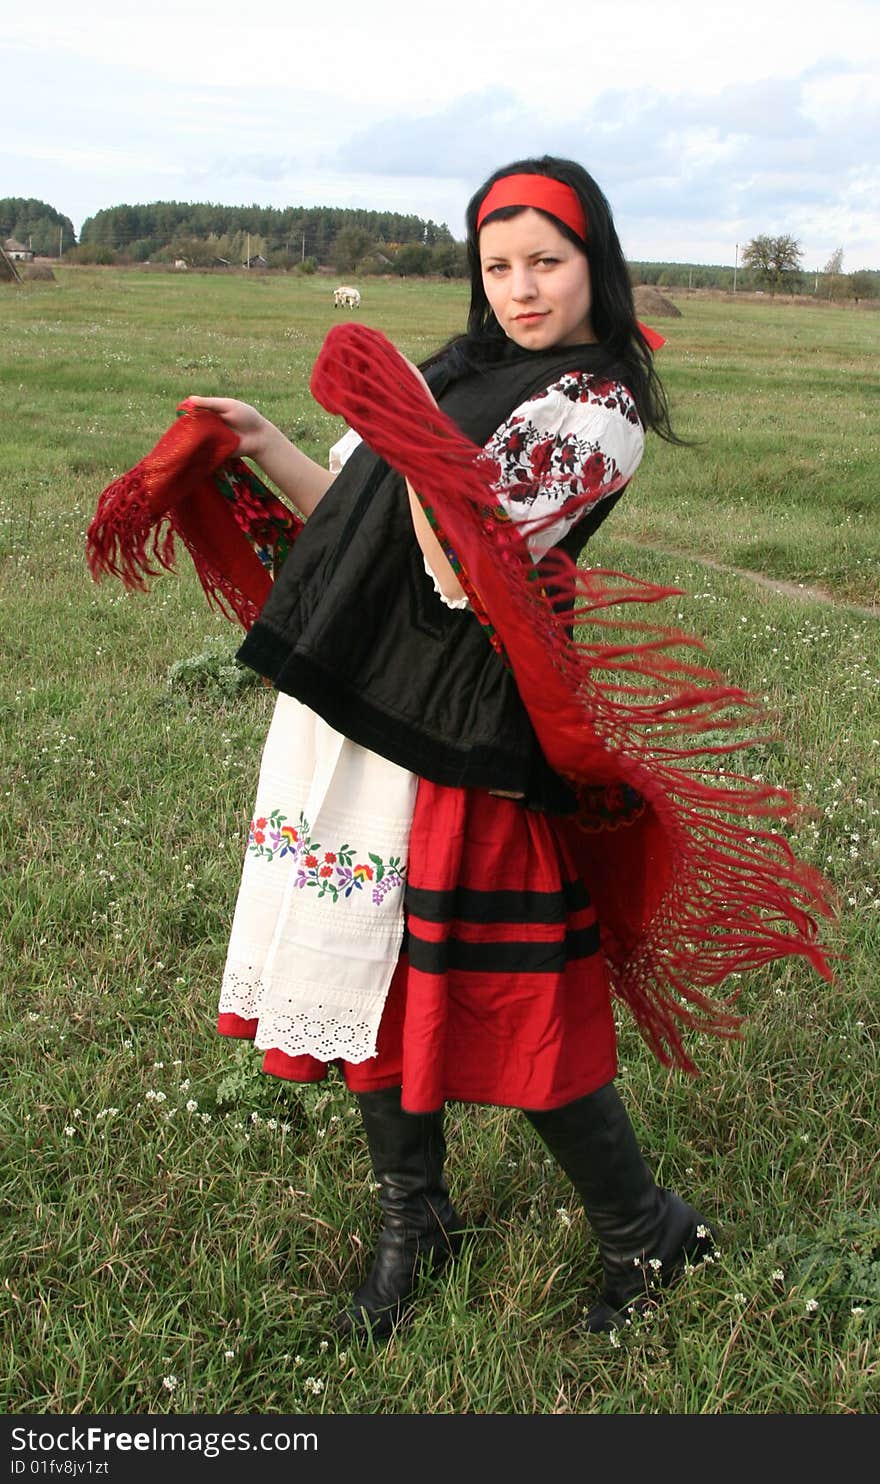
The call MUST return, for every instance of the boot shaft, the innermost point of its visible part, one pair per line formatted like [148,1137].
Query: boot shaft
[407,1152]
[594,1142]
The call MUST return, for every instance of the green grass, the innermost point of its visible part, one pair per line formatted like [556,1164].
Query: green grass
[144,1238]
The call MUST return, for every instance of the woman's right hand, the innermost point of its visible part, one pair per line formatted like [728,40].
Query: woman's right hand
[250,425]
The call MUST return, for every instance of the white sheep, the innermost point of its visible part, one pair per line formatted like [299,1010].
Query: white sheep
[346,296]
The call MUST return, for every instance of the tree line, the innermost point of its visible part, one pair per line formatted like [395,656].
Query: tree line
[356,241]
[206,235]
[771,264]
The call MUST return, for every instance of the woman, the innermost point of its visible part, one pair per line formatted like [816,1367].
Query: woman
[411,908]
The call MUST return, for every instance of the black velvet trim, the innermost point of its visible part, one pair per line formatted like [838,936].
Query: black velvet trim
[463,904]
[501,958]
[435,758]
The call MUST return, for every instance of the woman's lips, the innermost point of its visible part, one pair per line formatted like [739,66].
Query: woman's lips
[528,318]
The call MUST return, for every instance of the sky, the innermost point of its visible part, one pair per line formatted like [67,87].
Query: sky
[705,124]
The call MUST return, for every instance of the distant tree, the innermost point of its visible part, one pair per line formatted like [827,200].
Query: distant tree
[142,250]
[449,259]
[351,245]
[864,284]
[412,260]
[91,252]
[772,258]
[435,234]
[832,270]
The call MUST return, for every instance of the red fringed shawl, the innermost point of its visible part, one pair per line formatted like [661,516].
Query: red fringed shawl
[191,485]
[688,887]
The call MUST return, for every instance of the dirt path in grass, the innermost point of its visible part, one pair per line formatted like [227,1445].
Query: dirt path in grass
[772,584]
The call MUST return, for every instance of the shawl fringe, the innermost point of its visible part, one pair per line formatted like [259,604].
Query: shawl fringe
[690,887]
[193,487]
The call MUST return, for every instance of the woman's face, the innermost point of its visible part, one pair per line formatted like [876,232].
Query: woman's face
[537,282]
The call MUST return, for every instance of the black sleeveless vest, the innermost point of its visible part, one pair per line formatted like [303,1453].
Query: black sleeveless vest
[354,629]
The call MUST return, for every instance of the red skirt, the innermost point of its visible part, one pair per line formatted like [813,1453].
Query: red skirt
[501,994]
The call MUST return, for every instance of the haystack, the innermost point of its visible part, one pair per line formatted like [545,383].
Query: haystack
[651,304]
[38,272]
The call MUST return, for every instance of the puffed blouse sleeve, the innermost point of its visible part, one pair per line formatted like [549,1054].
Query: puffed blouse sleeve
[558,454]
[561,452]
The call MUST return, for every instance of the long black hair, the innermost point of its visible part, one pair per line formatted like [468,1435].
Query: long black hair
[613,312]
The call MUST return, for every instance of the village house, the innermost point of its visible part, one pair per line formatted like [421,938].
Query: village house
[17,251]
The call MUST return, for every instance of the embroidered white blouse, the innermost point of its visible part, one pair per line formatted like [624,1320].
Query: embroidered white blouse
[580,436]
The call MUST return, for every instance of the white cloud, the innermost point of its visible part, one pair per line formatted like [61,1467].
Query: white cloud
[701,123]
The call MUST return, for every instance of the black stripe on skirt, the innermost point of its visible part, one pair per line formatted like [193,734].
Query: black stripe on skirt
[521,957]
[464,904]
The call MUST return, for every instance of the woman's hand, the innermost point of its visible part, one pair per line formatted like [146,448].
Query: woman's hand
[296,475]
[252,428]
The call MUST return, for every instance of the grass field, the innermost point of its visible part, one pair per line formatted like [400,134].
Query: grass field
[178,1228]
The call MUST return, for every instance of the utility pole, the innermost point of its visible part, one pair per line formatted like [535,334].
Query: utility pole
[249,250]
[735,266]
[60,242]
[304,248]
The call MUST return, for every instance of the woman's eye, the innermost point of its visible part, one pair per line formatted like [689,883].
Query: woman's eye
[548,262]
[496,268]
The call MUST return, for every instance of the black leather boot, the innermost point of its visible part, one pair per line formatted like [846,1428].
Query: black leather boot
[421,1227]
[647,1235]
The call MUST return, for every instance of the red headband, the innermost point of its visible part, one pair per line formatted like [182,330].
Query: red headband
[553,196]
[536,190]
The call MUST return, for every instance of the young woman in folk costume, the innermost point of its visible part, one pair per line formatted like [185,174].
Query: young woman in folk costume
[471,827]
